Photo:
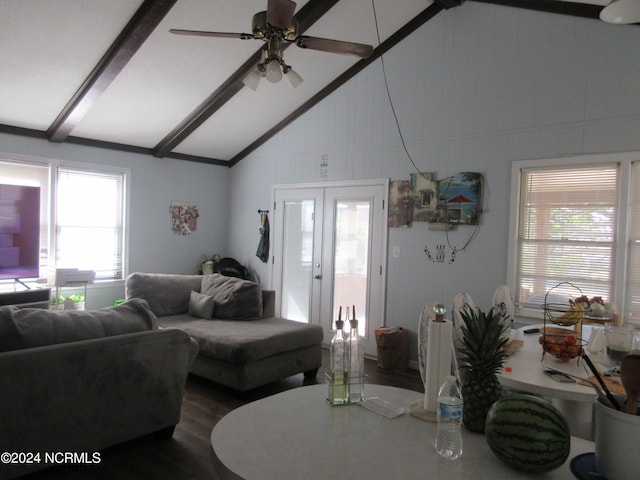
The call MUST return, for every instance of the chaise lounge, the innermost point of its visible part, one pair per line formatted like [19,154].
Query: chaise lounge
[241,344]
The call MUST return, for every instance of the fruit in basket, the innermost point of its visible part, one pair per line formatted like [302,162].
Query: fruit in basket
[561,343]
[528,433]
[595,306]
[582,299]
[572,316]
[596,310]
[609,309]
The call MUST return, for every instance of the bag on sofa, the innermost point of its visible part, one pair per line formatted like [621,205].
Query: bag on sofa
[230,267]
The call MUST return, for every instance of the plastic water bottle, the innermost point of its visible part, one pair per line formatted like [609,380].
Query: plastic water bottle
[449,437]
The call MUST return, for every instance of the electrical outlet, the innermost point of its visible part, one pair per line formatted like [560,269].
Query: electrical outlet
[396,252]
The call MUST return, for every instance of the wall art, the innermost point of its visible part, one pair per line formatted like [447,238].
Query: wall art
[444,204]
[459,198]
[401,198]
[184,217]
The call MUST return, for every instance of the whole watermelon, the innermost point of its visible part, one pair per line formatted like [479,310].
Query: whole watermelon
[528,433]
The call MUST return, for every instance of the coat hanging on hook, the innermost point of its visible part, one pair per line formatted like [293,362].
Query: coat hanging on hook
[263,246]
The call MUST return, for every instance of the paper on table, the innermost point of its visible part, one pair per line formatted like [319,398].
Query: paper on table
[439,351]
[382,407]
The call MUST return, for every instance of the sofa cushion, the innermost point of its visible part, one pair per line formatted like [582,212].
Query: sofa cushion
[243,342]
[233,297]
[201,305]
[166,293]
[35,327]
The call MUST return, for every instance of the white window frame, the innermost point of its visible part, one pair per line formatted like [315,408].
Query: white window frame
[619,262]
[91,171]
[49,204]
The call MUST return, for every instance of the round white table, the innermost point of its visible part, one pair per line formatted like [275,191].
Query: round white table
[297,435]
[524,371]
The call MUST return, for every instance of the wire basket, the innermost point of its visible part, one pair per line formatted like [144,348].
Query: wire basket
[563,343]
[564,314]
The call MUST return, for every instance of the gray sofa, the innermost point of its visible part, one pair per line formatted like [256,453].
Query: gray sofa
[241,344]
[82,381]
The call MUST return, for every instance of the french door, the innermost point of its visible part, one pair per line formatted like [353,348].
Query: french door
[329,244]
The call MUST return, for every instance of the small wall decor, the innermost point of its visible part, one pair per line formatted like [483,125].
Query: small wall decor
[440,254]
[184,217]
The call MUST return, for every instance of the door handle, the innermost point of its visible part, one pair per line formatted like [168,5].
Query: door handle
[317,276]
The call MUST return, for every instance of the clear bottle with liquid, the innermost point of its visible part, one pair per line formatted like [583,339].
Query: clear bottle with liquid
[450,407]
[338,392]
[356,363]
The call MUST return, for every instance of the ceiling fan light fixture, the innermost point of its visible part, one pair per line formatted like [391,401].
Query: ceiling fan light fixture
[274,71]
[252,80]
[621,12]
[292,76]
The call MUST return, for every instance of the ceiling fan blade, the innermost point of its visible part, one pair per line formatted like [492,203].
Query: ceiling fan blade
[280,13]
[335,46]
[200,33]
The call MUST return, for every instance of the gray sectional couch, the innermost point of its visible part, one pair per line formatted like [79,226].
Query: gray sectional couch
[82,381]
[241,344]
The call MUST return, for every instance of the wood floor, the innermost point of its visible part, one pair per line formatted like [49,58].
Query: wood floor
[187,455]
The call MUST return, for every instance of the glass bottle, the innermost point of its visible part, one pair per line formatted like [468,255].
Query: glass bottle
[356,362]
[338,367]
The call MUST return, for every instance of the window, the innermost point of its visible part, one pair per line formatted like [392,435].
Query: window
[33,176]
[569,226]
[632,293]
[83,227]
[89,221]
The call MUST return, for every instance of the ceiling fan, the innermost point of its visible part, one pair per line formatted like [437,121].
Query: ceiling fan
[277,26]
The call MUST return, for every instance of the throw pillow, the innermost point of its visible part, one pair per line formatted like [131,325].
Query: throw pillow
[233,297]
[201,305]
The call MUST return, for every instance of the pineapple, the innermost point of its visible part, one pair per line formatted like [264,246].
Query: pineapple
[481,354]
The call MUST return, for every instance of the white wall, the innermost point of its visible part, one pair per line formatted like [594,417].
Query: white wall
[154,184]
[474,89]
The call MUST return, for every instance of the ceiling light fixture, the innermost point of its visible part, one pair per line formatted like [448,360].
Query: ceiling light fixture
[272,67]
[252,80]
[621,12]
[292,76]
[277,25]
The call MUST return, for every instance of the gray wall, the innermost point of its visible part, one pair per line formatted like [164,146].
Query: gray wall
[154,184]
[474,89]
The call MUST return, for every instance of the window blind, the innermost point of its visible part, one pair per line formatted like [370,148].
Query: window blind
[566,232]
[632,288]
[89,221]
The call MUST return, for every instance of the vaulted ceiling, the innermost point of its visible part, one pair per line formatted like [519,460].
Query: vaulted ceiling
[110,74]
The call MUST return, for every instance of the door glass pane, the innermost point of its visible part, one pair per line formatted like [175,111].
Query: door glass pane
[352,220]
[297,261]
